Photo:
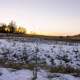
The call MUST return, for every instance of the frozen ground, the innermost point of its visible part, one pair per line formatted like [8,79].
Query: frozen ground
[52,54]
[9,74]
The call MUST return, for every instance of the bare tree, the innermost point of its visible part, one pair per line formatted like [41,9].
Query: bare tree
[12,27]
[36,62]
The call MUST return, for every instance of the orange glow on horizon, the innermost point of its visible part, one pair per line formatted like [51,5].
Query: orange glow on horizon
[31,29]
[46,33]
[52,33]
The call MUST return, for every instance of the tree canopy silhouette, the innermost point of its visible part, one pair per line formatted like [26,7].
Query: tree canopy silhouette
[11,28]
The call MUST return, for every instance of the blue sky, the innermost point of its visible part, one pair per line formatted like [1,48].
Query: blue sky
[50,17]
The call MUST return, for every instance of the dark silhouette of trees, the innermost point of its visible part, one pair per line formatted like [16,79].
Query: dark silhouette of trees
[11,28]
[2,28]
[20,30]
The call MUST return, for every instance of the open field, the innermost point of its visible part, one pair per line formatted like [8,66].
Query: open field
[53,56]
[75,38]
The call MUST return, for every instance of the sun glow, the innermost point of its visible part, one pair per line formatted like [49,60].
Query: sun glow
[32,28]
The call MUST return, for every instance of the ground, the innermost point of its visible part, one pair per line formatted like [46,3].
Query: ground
[24,74]
[55,55]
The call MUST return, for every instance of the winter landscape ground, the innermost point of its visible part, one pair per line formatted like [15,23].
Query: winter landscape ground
[56,60]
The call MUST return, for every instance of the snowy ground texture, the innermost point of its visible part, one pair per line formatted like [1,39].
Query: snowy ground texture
[10,74]
[52,54]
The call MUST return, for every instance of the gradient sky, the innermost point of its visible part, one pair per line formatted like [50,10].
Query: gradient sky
[51,17]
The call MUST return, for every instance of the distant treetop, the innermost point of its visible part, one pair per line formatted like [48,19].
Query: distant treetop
[11,28]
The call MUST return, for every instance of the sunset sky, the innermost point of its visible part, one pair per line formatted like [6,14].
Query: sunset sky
[49,17]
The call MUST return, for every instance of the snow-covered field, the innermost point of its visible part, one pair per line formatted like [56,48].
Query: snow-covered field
[50,53]
[10,74]
[53,54]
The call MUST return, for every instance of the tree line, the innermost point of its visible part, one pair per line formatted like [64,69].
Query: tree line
[11,28]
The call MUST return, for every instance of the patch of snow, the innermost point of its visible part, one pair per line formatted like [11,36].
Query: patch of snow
[25,74]
[52,53]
